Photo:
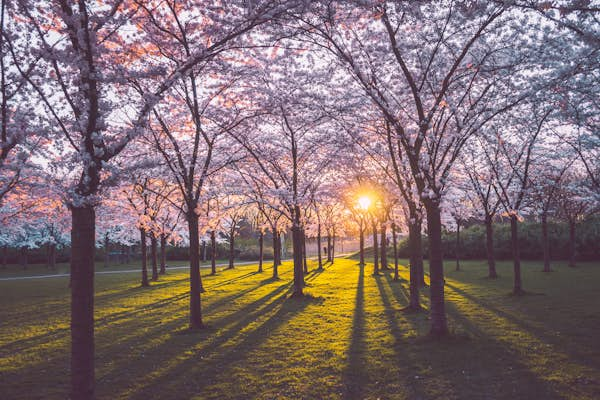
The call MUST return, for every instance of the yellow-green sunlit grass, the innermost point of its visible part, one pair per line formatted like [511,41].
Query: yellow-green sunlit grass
[347,339]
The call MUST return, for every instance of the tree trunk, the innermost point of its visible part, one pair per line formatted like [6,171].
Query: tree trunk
[319,256]
[83,238]
[153,256]
[375,247]
[203,250]
[195,278]
[279,249]
[514,239]
[329,259]
[163,254]
[395,243]
[53,256]
[415,254]
[545,243]
[439,326]
[106,253]
[23,257]
[298,270]
[304,262]
[213,252]
[122,255]
[144,257]
[4,256]
[572,244]
[260,250]
[457,247]
[362,245]
[231,249]
[128,255]
[275,253]
[384,262]
[333,246]
[489,247]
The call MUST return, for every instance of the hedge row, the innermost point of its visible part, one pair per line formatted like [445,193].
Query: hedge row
[472,241]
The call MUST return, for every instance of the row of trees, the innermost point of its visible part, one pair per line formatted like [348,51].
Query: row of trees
[190,115]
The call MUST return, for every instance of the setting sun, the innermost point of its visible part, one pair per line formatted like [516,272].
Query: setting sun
[364,202]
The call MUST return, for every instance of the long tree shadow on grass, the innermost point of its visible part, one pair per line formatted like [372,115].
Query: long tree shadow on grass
[107,300]
[315,272]
[354,376]
[226,348]
[115,295]
[239,318]
[132,328]
[400,291]
[474,366]
[129,353]
[575,350]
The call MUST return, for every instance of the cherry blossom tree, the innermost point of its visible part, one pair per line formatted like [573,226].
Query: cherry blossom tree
[478,166]
[86,60]
[512,184]
[434,92]
[290,146]
[547,177]
[576,201]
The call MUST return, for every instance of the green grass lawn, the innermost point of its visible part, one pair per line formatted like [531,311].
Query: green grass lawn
[348,339]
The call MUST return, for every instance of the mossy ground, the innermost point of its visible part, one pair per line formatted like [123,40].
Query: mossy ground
[348,339]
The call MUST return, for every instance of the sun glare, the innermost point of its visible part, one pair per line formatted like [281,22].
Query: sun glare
[364,202]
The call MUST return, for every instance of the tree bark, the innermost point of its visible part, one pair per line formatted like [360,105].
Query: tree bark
[304,262]
[83,238]
[298,270]
[153,256]
[279,250]
[333,246]
[195,278]
[4,256]
[144,257]
[231,249]
[516,253]
[395,244]
[213,252]
[106,253]
[203,250]
[545,243]
[319,255]
[375,247]
[415,254]
[457,247]
[163,254]
[122,255]
[275,254]
[329,259]
[23,257]
[439,326]
[47,247]
[53,256]
[572,244]
[260,250]
[362,245]
[384,262]
[489,247]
